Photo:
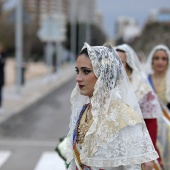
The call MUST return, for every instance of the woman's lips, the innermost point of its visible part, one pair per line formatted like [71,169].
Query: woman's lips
[81,86]
[160,66]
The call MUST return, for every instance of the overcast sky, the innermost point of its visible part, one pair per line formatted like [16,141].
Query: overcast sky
[111,9]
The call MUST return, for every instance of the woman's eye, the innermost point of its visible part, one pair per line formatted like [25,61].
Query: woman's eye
[156,58]
[164,58]
[86,71]
[77,72]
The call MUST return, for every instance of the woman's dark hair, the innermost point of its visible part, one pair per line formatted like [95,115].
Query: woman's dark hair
[127,65]
[85,52]
[118,50]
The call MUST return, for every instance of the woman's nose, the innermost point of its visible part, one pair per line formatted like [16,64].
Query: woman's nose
[78,78]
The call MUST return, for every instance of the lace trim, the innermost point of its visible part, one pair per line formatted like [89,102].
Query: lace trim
[123,143]
[119,161]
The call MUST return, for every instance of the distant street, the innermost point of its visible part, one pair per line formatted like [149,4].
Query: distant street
[28,140]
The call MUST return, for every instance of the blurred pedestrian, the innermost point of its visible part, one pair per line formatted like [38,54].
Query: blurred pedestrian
[2,74]
[146,97]
[107,131]
[158,65]
[158,68]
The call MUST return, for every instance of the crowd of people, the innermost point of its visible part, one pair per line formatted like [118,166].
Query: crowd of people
[116,107]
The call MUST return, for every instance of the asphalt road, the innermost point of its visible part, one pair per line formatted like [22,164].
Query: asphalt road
[28,140]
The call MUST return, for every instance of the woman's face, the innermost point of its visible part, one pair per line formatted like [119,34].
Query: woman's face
[160,61]
[86,78]
[122,56]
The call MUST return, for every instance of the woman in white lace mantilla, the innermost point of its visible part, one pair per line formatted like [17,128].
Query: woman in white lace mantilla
[158,69]
[107,131]
[146,97]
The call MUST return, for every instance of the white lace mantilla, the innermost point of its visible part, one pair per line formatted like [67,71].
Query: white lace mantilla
[118,134]
[147,98]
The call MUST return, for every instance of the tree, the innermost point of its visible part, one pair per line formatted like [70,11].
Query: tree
[152,34]
[98,37]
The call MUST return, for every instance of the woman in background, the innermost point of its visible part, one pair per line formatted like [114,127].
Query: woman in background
[146,97]
[158,68]
[158,65]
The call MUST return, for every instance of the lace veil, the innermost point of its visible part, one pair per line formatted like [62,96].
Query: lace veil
[147,98]
[150,70]
[118,134]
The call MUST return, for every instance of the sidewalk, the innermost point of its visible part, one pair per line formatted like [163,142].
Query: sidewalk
[32,91]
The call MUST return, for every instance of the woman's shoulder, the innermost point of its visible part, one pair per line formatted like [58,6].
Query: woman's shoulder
[124,113]
[141,88]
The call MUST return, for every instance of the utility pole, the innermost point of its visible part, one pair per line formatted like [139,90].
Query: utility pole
[19,44]
[58,43]
[73,26]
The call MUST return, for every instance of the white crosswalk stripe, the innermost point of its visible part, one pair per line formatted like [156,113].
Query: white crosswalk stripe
[4,155]
[50,161]
[47,161]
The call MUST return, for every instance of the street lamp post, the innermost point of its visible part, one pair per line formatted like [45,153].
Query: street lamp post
[73,27]
[58,43]
[19,44]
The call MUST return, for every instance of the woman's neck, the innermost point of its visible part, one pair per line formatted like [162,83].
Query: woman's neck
[129,75]
[159,75]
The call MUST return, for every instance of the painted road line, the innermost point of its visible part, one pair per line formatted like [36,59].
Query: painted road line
[4,155]
[50,161]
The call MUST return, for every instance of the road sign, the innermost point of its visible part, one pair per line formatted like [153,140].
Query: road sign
[12,17]
[52,29]
[9,5]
